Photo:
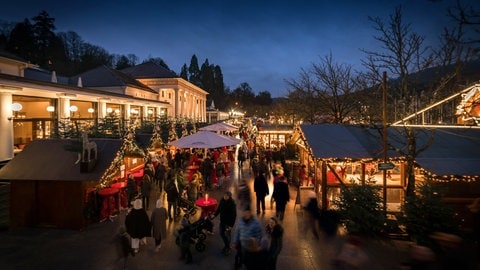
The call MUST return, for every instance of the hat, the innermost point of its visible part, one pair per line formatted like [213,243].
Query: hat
[137,204]
[159,203]
[228,193]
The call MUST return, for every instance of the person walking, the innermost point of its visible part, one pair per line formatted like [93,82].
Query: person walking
[281,196]
[145,189]
[160,172]
[260,187]
[206,169]
[241,157]
[246,239]
[192,188]
[138,225]
[123,245]
[313,215]
[274,232]
[158,220]
[131,189]
[243,194]
[227,210]
[171,188]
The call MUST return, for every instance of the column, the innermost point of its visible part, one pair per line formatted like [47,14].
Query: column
[102,109]
[126,112]
[6,126]
[63,108]
[176,102]
[145,114]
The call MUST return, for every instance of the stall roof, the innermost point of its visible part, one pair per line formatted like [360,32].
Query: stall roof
[453,151]
[343,141]
[47,160]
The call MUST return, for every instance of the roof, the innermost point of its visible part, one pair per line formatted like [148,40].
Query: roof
[149,70]
[104,76]
[47,160]
[451,151]
[342,141]
[44,75]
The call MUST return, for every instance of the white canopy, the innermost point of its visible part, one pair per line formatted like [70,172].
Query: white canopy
[220,126]
[205,139]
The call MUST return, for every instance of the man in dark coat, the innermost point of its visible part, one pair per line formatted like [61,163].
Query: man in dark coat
[160,173]
[281,196]
[145,189]
[131,189]
[260,186]
[206,169]
[171,188]
[137,224]
[227,210]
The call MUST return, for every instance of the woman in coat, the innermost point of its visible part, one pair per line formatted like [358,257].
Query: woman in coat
[281,196]
[159,223]
[137,224]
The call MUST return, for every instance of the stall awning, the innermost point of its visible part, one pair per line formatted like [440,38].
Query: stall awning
[446,151]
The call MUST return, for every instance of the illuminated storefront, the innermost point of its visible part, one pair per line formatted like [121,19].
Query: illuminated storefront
[32,104]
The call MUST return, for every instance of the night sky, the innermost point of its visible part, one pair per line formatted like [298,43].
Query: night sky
[259,42]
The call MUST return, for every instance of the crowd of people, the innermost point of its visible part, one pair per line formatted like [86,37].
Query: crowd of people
[190,174]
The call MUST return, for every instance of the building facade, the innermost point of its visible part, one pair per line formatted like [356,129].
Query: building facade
[32,100]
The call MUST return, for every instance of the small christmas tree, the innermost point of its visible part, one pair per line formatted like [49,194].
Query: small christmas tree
[172,134]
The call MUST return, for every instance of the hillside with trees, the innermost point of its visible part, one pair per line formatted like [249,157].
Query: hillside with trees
[66,53]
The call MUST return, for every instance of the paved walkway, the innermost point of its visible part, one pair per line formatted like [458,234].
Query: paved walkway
[94,247]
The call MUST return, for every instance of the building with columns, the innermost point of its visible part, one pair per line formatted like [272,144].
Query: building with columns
[32,99]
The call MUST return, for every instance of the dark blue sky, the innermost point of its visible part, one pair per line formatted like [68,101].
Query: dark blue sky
[258,42]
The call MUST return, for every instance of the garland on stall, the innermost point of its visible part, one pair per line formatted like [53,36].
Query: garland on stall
[128,148]
[156,140]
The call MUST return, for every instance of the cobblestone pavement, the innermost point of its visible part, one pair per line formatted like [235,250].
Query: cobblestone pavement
[94,247]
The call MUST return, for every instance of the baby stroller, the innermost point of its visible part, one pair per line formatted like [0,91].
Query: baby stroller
[187,206]
[198,231]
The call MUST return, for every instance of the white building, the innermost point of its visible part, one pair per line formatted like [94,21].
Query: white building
[32,99]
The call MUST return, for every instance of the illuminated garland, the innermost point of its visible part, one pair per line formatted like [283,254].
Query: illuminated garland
[449,178]
[129,147]
[156,140]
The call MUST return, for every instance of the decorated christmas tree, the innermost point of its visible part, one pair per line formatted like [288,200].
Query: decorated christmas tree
[172,133]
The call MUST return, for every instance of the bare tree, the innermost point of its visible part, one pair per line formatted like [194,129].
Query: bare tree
[323,93]
[303,98]
[336,83]
[468,18]
[402,54]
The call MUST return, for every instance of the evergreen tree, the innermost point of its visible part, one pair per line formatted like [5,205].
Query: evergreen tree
[194,72]
[124,61]
[21,41]
[45,40]
[207,77]
[184,72]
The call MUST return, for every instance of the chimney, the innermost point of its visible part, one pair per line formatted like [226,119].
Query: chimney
[54,77]
[79,82]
